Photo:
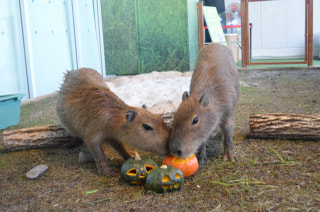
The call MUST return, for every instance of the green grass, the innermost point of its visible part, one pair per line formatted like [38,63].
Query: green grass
[37,113]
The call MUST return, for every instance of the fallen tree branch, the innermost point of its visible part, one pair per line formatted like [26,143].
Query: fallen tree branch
[287,126]
[35,137]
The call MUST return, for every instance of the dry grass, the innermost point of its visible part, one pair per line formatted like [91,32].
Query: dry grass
[268,175]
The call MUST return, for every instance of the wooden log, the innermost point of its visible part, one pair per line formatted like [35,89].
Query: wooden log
[287,126]
[47,136]
[167,118]
[35,137]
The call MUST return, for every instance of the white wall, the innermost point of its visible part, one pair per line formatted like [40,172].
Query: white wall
[13,77]
[88,39]
[40,40]
[316,27]
[279,28]
[49,44]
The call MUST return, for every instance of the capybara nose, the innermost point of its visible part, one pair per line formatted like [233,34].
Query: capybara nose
[177,153]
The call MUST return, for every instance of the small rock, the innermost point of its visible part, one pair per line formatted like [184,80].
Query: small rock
[35,172]
[85,157]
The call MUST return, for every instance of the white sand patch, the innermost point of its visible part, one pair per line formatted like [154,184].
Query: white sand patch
[159,91]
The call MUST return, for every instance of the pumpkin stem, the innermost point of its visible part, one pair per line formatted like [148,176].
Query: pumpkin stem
[137,157]
[163,166]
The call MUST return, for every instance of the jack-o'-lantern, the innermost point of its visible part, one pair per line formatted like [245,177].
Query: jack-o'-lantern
[135,170]
[165,179]
[188,166]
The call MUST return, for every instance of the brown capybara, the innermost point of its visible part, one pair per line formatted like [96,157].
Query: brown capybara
[214,92]
[88,110]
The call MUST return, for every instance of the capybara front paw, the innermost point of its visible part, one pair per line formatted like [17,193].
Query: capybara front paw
[106,171]
[228,156]
[202,159]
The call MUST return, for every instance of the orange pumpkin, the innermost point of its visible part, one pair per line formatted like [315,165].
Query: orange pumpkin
[188,166]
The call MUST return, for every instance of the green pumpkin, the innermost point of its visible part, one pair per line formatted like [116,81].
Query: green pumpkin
[165,179]
[135,170]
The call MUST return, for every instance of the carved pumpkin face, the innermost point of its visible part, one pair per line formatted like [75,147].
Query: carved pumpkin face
[135,170]
[165,179]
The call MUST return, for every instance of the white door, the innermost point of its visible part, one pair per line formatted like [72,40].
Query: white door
[13,77]
[50,43]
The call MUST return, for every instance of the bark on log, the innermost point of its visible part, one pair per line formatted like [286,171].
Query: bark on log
[167,118]
[288,126]
[35,137]
[47,136]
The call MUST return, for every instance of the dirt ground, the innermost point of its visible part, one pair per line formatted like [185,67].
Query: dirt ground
[267,78]
[268,175]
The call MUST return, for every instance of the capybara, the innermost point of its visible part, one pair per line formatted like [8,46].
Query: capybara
[90,111]
[214,92]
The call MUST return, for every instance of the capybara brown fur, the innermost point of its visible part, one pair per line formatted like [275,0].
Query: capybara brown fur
[214,92]
[90,111]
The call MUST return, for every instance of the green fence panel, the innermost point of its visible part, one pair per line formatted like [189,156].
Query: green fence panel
[163,35]
[120,37]
[141,36]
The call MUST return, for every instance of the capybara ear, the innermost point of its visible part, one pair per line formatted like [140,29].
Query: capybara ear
[185,95]
[144,106]
[130,116]
[204,100]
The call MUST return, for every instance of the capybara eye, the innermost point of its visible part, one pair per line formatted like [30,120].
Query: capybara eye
[147,127]
[195,121]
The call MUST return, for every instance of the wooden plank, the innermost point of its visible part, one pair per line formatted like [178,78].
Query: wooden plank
[244,33]
[309,16]
[200,25]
